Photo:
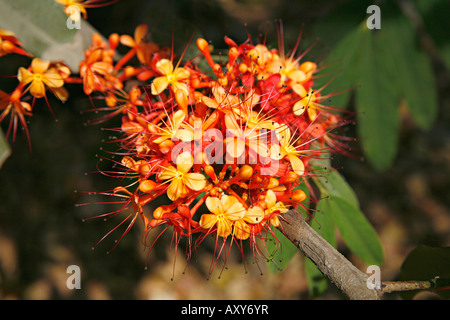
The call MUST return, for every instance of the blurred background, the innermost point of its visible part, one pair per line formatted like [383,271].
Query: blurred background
[41,222]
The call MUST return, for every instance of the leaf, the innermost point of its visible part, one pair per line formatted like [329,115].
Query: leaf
[324,225]
[426,263]
[357,232]
[413,70]
[344,60]
[41,26]
[377,102]
[5,150]
[340,202]
[281,251]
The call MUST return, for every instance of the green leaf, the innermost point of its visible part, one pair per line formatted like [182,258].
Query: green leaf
[341,204]
[5,150]
[377,102]
[281,251]
[325,227]
[356,230]
[41,26]
[342,69]
[414,75]
[426,263]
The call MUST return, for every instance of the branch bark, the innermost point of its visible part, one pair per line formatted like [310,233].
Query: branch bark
[349,279]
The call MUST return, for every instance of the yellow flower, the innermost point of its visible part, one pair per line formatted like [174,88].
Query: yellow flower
[39,77]
[181,181]
[172,77]
[224,213]
[287,148]
[309,102]
[239,137]
[272,205]
[174,129]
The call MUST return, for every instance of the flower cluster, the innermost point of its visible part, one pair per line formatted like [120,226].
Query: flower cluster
[227,148]
[34,81]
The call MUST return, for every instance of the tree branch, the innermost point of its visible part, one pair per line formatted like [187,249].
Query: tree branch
[350,280]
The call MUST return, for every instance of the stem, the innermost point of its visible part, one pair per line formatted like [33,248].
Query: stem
[351,281]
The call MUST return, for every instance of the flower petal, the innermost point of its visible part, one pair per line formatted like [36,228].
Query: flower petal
[37,89]
[24,75]
[214,205]
[169,172]
[53,80]
[164,66]
[236,212]
[181,73]
[208,221]
[228,201]
[159,84]
[195,181]
[241,230]
[184,162]
[270,199]
[39,66]
[177,189]
[297,165]
[254,215]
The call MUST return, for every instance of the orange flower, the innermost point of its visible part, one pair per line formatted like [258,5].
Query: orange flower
[175,78]
[142,48]
[181,180]
[39,77]
[224,212]
[287,148]
[91,68]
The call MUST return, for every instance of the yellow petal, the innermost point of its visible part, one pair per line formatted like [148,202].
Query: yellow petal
[177,189]
[236,212]
[140,32]
[184,135]
[254,215]
[223,228]
[184,162]
[37,89]
[214,205]
[61,93]
[283,134]
[39,66]
[165,66]
[177,120]
[195,181]
[228,201]
[276,152]
[176,85]
[235,147]
[159,84]
[270,199]
[297,165]
[127,40]
[297,76]
[299,108]
[53,80]
[211,103]
[241,230]
[208,221]
[24,75]
[181,73]
[168,173]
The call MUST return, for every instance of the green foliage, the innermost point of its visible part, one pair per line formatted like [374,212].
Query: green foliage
[385,69]
[426,263]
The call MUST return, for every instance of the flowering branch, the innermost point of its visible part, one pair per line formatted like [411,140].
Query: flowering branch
[351,281]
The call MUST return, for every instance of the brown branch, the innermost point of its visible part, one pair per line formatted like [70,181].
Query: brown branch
[350,280]
[393,286]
